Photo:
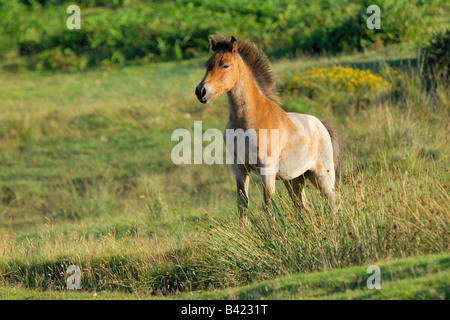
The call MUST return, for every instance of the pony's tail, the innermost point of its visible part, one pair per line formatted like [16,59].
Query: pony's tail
[337,149]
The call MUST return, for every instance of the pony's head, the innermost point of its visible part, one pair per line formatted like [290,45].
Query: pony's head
[221,69]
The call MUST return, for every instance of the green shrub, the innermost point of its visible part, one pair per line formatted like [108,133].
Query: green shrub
[136,31]
[437,57]
[58,59]
[81,3]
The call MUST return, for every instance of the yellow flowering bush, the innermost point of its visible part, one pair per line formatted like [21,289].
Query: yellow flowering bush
[339,78]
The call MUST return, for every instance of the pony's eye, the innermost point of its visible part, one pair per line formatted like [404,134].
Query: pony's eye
[225,66]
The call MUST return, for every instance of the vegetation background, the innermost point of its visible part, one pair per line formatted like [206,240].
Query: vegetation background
[85,171]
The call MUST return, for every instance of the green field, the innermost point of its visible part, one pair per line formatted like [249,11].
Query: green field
[86,179]
[410,278]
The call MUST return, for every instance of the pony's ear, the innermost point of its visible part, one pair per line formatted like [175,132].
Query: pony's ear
[233,44]
[212,43]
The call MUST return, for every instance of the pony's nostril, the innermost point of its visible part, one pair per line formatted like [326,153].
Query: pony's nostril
[197,91]
[200,92]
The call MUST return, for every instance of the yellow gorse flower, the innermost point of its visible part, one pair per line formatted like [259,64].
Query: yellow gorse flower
[338,77]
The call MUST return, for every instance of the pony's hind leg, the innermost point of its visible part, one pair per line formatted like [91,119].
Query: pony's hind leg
[296,190]
[325,183]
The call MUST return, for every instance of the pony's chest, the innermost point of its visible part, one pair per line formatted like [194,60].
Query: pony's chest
[241,142]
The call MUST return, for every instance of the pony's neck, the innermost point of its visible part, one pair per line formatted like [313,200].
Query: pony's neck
[245,96]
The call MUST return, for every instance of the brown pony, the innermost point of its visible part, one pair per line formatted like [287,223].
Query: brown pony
[305,147]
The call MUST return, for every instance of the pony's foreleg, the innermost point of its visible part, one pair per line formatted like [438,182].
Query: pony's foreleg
[242,177]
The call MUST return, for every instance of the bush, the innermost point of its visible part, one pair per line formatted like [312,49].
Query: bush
[136,31]
[437,57]
[58,59]
[339,78]
[342,87]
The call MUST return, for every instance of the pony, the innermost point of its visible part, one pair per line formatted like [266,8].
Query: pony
[305,148]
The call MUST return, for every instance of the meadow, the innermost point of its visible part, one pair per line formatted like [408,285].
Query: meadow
[86,179]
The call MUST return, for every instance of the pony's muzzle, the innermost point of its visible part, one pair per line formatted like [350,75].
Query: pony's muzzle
[201,93]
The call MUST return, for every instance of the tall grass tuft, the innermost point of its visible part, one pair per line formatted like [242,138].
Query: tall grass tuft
[373,223]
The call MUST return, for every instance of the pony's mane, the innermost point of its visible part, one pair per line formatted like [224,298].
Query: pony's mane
[257,62]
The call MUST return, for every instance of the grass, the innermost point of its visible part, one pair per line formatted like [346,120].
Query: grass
[86,178]
[424,277]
